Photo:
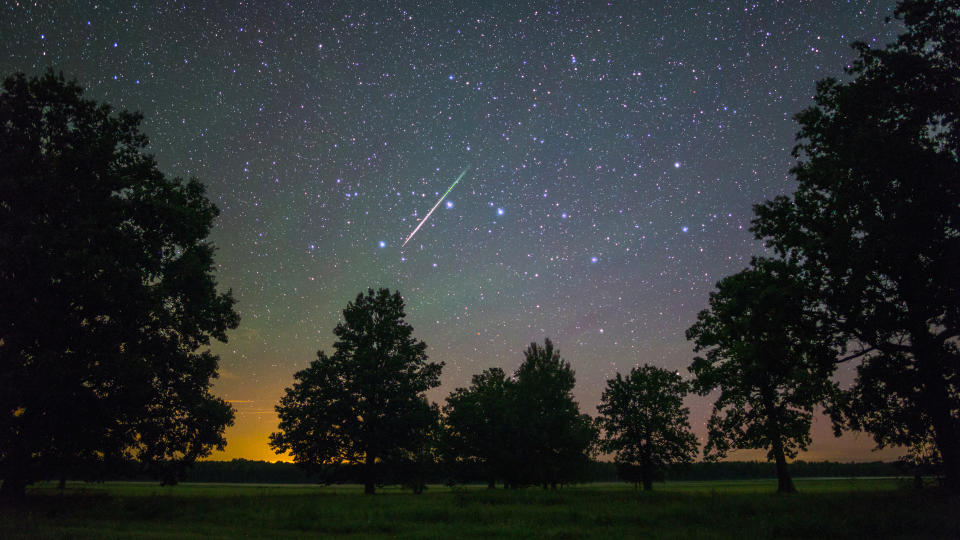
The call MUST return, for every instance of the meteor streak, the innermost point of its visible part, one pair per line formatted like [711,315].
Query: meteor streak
[426,217]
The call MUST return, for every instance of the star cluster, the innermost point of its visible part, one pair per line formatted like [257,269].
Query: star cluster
[615,152]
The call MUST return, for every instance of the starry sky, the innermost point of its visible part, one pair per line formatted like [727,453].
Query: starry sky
[615,150]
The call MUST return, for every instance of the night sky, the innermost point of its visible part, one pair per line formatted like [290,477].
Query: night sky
[614,155]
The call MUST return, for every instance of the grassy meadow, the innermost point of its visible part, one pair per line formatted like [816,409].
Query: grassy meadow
[824,508]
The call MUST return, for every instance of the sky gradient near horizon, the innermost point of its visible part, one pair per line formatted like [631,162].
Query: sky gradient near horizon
[615,150]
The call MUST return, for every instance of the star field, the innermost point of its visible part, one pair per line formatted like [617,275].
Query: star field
[615,152]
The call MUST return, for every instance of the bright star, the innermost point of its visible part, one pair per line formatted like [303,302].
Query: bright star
[449,204]
[383,244]
[499,211]
[593,260]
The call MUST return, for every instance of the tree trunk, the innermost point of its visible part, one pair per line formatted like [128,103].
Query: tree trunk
[784,482]
[647,481]
[935,399]
[945,435]
[944,430]
[369,474]
[646,471]
[492,483]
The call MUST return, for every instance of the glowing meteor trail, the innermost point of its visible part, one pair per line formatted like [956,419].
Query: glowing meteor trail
[426,217]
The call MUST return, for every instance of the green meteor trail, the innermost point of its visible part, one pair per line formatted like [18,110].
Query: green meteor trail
[426,217]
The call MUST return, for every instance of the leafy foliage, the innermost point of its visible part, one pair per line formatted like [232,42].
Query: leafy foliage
[645,423]
[107,294]
[770,357]
[526,429]
[365,403]
[556,440]
[480,425]
[875,222]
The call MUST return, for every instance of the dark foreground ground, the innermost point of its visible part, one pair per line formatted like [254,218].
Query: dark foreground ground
[828,508]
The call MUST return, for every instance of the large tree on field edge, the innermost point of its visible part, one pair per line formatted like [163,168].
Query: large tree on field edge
[767,351]
[875,222]
[107,295]
[364,404]
[645,423]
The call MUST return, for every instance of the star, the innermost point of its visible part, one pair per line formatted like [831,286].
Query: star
[573,125]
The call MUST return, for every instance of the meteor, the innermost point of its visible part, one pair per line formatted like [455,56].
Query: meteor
[426,217]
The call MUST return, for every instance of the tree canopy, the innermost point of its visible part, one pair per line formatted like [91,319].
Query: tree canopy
[770,357]
[365,403]
[645,423]
[554,439]
[480,426]
[107,294]
[875,223]
[526,429]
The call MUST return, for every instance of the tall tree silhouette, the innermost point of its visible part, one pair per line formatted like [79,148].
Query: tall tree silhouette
[645,423]
[107,294]
[770,357]
[556,439]
[365,403]
[875,221]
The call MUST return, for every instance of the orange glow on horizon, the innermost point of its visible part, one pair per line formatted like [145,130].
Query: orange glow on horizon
[249,439]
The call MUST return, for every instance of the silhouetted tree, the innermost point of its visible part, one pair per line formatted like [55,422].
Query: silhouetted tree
[769,356]
[481,427]
[882,402]
[645,423]
[875,219]
[554,441]
[922,459]
[364,404]
[107,294]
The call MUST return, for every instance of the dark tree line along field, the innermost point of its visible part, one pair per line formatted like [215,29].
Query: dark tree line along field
[264,472]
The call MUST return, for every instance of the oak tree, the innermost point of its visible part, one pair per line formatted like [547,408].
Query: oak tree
[108,301]
[769,356]
[645,423]
[875,222]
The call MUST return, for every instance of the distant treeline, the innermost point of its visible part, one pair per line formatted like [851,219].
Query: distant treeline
[265,472]
[736,470]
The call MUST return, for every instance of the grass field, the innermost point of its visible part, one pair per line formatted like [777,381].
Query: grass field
[824,508]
